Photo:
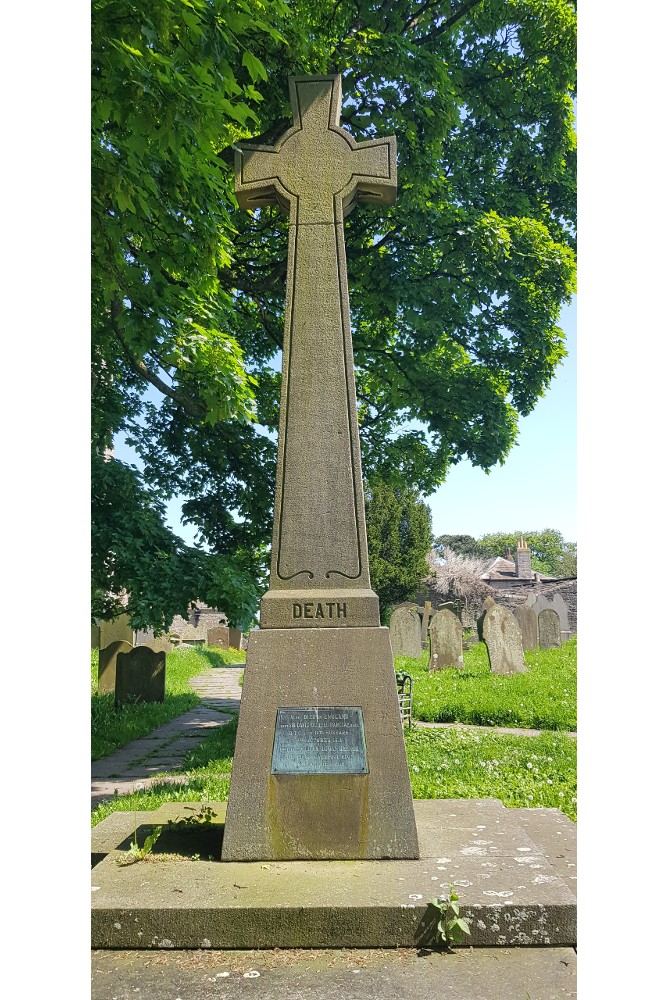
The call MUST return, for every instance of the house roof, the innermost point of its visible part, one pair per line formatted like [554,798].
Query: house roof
[504,569]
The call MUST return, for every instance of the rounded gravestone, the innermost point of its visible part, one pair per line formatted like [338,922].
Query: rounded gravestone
[140,676]
[115,630]
[160,644]
[405,633]
[218,636]
[106,671]
[548,625]
[446,635]
[502,636]
[527,620]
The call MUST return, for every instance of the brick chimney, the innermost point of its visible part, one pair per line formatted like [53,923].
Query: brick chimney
[522,561]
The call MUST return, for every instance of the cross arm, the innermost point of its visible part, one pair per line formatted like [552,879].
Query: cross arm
[374,173]
[256,182]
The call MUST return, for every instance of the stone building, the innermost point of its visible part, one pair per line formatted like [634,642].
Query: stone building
[509,582]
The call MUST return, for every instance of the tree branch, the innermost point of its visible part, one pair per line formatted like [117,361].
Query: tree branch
[195,408]
[449,23]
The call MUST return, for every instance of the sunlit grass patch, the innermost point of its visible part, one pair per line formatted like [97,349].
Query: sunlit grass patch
[530,771]
[545,697]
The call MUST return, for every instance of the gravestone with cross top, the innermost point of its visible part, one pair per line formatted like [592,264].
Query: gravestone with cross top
[318,173]
[319,768]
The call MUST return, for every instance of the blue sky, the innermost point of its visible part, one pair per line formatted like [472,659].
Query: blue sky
[536,487]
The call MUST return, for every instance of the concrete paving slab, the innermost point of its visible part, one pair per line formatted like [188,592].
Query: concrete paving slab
[401,974]
[512,896]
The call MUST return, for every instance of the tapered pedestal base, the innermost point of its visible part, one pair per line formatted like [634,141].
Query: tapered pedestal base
[286,800]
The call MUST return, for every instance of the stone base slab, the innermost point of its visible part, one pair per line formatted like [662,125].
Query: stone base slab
[513,869]
[324,816]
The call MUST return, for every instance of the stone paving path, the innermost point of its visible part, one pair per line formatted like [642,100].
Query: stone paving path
[165,748]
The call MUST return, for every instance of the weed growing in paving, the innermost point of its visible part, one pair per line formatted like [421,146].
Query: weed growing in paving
[528,771]
[545,697]
[451,926]
[112,729]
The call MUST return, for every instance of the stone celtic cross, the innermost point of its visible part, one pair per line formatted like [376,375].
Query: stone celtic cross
[317,172]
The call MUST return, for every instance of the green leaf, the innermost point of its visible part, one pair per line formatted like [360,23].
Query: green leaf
[254,67]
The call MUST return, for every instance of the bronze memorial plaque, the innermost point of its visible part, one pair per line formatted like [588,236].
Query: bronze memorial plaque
[319,741]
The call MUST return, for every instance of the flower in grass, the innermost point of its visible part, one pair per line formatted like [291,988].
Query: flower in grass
[530,797]
[414,767]
[529,765]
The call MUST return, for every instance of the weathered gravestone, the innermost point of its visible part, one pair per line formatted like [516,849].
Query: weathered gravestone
[160,644]
[446,633]
[140,675]
[218,636]
[235,636]
[502,636]
[143,636]
[540,602]
[405,633]
[487,603]
[427,615]
[527,620]
[319,768]
[106,670]
[548,627]
[115,630]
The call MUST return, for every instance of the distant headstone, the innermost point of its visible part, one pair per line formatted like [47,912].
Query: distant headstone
[487,603]
[548,626]
[106,671]
[405,633]
[143,636]
[527,620]
[94,636]
[159,645]
[235,638]
[427,614]
[218,636]
[115,630]
[539,603]
[140,676]
[502,636]
[446,633]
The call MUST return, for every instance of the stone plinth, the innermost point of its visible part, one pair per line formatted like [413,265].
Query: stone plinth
[275,816]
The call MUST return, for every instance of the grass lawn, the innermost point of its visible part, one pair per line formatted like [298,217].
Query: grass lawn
[545,697]
[112,729]
[527,771]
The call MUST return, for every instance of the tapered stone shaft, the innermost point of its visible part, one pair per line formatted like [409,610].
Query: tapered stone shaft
[317,172]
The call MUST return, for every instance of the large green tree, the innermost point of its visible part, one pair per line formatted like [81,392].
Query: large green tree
[455,291]
[399,539]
